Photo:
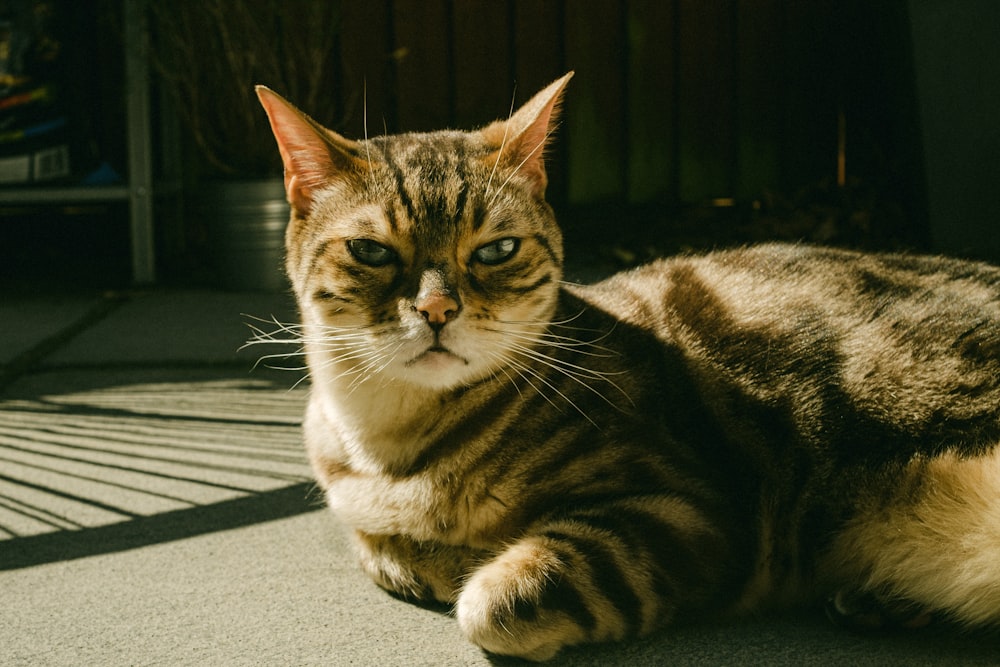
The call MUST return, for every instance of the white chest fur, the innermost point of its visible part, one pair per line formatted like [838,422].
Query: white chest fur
[361,489]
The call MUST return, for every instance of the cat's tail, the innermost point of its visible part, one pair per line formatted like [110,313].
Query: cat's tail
[935,546]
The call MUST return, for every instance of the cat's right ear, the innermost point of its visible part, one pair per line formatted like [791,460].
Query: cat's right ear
[313,156]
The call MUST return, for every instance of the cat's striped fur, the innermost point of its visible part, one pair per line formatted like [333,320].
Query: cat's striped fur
[703,436]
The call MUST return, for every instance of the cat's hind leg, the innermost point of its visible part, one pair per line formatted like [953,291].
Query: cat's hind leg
[596,574]
[935,547]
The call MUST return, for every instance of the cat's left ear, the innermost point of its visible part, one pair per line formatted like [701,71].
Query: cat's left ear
[313,156]
[521,139]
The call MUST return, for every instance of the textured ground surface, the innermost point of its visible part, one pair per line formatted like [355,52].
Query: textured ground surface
[156,509]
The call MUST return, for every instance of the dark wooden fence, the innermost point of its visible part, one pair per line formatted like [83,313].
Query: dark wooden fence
[678,101]
[676,104]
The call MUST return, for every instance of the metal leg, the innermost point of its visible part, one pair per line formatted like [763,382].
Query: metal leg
[140,163]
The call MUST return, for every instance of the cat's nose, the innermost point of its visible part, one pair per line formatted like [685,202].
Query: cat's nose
[438,308]
[436,299]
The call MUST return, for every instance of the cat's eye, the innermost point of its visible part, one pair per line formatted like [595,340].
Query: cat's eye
[370,252]
[497,252]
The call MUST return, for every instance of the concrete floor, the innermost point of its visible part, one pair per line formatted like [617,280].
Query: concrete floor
[156,509]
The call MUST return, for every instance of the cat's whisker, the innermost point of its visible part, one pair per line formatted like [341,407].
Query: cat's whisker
[539,332]
[295,326]
[571,283]
[524,372]
[562,324]
[389,357]
[560,342]
[327,340]
[376,361]
[501,365]
[575,372]
[260,337]
[541,378]
[358,371]
[578,373]
[547,339]
[334,345]
[341,345]
[349,349]
[513,384]
[279,355]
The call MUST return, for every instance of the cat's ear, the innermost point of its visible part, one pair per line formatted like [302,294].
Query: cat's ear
[521,139]
[313,155]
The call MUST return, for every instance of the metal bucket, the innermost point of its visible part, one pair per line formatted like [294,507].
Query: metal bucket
[246,222]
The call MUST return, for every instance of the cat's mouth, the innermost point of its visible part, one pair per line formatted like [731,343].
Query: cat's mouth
[436,354]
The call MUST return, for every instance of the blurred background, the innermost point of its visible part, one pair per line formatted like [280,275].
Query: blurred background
[133,151]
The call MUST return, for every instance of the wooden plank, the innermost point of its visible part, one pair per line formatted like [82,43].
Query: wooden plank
[596,119]
[539,59]
[706,106]
[366,62]
[809,150]
[422,53]
[651,167]
[482,61]
[539,55]
[760,90]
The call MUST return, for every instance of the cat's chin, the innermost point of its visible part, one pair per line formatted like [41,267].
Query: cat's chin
[438,368]
[437,358]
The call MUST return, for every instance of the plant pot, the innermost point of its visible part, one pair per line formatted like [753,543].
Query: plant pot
[246,223]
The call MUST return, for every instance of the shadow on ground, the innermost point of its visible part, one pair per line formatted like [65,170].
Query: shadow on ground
[145,531]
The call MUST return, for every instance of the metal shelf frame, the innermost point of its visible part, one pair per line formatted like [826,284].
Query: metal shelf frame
[138,190]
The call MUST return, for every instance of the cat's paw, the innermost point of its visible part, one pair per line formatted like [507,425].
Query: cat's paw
[521,604]
[391,564]
[866,611]
[397,579]
[417,572]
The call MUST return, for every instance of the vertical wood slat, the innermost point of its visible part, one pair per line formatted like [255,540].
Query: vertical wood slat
[674,101]
[365,58]
[538,59]
[539,48]
[651,89]
[422,48]
[760,89]
[810,104]
[595,118]
[648,118]
[481,61]
[705,100]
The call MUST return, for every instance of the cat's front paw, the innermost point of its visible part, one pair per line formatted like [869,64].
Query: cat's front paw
[416,571]
[523,604]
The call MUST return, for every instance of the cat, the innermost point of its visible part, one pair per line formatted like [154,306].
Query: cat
[705,436]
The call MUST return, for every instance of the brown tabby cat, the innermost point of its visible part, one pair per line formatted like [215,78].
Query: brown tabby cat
[703,436]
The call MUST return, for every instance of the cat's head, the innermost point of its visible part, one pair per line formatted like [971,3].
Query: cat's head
[428,258]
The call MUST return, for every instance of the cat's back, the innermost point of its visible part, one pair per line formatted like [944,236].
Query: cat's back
[905,346]
[789,289]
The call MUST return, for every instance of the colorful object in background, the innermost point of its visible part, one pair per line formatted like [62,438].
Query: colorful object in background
[34,136]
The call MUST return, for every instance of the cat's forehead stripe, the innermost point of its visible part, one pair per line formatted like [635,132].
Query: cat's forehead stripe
[431,183]
[462,197]
[390,217]
[479,216]
[399,178]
